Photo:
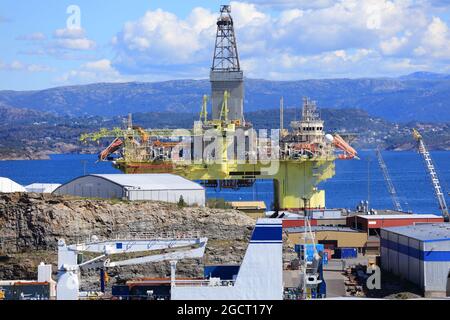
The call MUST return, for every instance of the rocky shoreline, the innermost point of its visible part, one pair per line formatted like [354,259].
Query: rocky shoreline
[31,224]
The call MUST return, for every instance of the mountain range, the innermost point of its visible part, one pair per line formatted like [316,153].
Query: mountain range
[421,96]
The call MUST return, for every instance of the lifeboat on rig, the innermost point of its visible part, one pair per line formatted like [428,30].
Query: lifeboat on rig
[341,144]
[113,147]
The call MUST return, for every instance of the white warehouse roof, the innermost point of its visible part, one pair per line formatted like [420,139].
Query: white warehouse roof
[424,232]
[135,187]
[163,181]
[42,187]
[9,186]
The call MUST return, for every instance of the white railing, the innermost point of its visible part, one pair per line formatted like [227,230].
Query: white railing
[130,236]
[203,283]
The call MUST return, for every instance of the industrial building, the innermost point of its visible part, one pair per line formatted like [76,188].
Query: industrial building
[9,186]
[420,254]
[254,209]
[44,288]
[42,187]
[372,223]
[330,237]
[317,217]
[144,187]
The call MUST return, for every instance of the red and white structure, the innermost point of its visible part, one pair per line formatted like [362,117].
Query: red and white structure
[375,222]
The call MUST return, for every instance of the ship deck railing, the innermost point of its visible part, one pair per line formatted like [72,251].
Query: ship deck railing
[203,283]
[130,236]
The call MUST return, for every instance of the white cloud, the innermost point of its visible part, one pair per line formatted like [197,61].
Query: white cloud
[161,38]
[435,41]
[103,65]
[295,39]
[65,44]
[304,4]
[72,39]
[36,36]
[393,45]
[72,33]
[75,44]
[93,71]
[20,66]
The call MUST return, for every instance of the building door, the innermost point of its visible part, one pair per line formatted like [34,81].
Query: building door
[329,244]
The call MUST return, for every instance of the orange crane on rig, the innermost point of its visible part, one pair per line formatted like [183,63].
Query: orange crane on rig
[338,142]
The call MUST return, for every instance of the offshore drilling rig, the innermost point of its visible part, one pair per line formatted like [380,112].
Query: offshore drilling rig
[226,150]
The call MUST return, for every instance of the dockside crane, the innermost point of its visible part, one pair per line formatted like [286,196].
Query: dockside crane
[170,249]
[423,150]
[388,180]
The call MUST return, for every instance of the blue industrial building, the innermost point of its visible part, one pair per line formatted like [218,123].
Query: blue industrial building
[419,253]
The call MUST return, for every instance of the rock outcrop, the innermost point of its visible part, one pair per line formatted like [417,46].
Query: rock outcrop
[31,224]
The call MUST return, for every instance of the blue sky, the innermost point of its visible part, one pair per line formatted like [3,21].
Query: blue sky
[119,41]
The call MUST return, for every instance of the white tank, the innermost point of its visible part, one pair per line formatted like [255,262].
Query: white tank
[68,286]
[329,138]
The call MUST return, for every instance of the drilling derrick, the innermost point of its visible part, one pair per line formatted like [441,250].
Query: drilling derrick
[226,73]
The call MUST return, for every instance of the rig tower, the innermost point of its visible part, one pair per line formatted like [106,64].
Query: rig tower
[226,73]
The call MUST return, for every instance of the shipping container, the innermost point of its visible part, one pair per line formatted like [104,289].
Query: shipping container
[345,253]
[306,251]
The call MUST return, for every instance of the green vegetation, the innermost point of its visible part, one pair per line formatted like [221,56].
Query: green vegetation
[181,203]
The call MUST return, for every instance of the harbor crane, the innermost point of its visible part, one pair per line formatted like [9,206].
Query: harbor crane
[170,249]
[423,150]
[388,180]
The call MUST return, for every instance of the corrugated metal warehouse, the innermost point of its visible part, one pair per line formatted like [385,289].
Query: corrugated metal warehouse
[419,253]
[156,187]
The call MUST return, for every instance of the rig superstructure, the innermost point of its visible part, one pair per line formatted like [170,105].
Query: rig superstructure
[226,150]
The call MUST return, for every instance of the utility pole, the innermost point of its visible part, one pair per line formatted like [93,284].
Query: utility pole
[388,180]
[281,116]
[84,163]
[368,184]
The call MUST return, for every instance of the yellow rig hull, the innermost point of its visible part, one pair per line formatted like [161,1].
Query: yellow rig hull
[295,181]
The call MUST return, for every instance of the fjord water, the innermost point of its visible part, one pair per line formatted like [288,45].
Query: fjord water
[349,186]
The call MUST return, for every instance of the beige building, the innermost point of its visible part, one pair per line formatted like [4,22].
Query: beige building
[254,209]
[331,237]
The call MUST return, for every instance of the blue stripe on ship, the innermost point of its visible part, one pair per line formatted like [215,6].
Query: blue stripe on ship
[266,242]
[273,233]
